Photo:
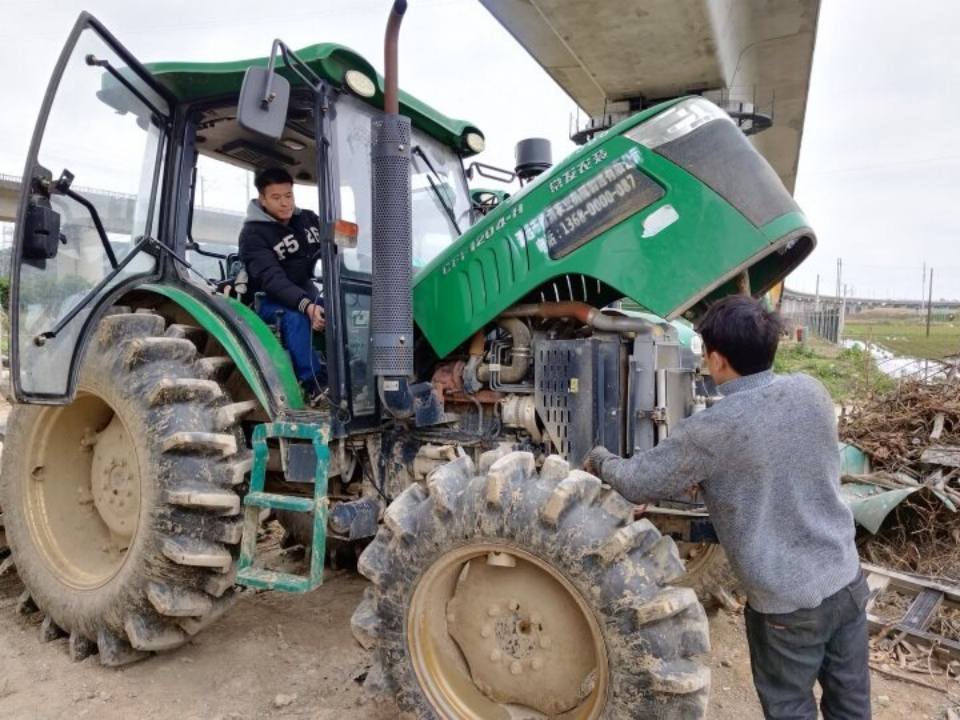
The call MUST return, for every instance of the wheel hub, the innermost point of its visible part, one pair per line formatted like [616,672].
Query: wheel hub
[524,637]
[114,482]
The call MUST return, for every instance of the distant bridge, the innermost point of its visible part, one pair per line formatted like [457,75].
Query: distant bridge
[210,225]
[794,301]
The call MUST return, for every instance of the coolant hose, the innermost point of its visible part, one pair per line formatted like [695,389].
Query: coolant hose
[520,352]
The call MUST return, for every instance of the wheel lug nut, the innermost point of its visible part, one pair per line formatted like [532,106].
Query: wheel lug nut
[495,655]
[516,668]
[486,631]
[514,604]
[536,663]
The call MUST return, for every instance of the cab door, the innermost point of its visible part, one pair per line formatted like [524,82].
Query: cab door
[89,207]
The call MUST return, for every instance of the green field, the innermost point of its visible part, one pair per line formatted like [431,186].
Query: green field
[907,336]
[847,374]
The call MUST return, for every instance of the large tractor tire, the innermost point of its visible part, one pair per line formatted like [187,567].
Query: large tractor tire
[518,594]
[708,573]
[122,509]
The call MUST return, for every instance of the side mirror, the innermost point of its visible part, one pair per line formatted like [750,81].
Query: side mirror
[41,232]
[264,98]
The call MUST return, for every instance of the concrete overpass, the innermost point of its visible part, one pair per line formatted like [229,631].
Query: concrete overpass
[210,225]
[792,301]
[618,56]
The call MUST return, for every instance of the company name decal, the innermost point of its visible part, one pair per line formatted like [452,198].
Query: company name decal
[611,194]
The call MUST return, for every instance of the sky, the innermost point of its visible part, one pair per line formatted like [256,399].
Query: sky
[877,175]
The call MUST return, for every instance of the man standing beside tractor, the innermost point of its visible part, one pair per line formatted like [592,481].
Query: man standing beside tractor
[766,460]
[279,247]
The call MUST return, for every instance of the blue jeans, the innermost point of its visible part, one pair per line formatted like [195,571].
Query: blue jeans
[297,336]
[827,644]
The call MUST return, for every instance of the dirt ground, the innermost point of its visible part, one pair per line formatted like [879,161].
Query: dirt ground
[279,656]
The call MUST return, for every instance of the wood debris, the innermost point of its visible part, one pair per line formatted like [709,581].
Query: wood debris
[912,437]
[896,429]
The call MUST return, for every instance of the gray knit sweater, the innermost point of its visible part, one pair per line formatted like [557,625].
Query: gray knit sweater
[766,460]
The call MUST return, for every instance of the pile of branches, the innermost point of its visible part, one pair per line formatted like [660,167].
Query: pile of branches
[912,436]
[921,536]
[899,429]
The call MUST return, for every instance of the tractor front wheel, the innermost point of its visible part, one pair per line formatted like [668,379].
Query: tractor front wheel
[517,591]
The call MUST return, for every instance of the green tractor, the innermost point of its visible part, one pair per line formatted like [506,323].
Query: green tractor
[473,359]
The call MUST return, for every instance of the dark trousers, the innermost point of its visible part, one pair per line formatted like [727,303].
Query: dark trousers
[298,338]
[826,644]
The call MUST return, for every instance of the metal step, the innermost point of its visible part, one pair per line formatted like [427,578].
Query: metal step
[279,502]
[249,573]
[262,579]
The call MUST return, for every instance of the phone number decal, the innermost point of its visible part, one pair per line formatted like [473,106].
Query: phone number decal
[608,198]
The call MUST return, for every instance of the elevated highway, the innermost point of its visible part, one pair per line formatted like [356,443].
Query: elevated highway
[794,301]
[618,56]
[210,225]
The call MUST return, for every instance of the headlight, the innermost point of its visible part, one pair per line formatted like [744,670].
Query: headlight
[360,83]
[476,142]
[681,119]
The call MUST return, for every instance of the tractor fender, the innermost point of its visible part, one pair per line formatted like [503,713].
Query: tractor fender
[258,354]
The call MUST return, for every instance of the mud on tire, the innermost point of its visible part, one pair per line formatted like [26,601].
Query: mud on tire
[455,633]
[122,509]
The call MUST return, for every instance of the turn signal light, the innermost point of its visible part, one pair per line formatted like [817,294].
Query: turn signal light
[345,234]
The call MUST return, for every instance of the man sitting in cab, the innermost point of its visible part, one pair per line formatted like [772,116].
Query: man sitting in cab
[279,247]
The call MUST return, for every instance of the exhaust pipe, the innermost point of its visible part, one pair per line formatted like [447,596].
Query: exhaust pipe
[392,273]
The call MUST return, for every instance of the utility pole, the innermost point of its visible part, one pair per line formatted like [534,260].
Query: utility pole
[839,272]
[816,295]
[843,313]
[923,286]
[929,301]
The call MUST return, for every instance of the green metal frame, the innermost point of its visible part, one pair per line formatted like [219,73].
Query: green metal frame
[287,391]
[250,575]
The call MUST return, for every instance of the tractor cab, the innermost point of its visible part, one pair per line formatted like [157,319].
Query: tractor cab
[164,198]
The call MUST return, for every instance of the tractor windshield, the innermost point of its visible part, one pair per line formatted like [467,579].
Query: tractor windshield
[441,200]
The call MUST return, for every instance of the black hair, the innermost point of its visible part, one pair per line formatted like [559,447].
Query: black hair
[272,176]
[740,329]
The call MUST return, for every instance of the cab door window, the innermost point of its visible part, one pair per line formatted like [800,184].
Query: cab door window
[103,139]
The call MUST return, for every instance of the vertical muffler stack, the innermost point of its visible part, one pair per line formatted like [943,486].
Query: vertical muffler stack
[392,238]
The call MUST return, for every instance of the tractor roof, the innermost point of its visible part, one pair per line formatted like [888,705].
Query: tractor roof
[191,81]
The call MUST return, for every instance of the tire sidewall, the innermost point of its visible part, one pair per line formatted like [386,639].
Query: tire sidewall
[511,533]
[89,610]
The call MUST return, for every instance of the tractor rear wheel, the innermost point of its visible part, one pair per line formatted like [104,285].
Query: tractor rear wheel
[121,509]
[515,591]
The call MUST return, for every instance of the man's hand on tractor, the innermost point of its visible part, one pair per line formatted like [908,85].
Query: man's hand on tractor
[317,320]
[593,462]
